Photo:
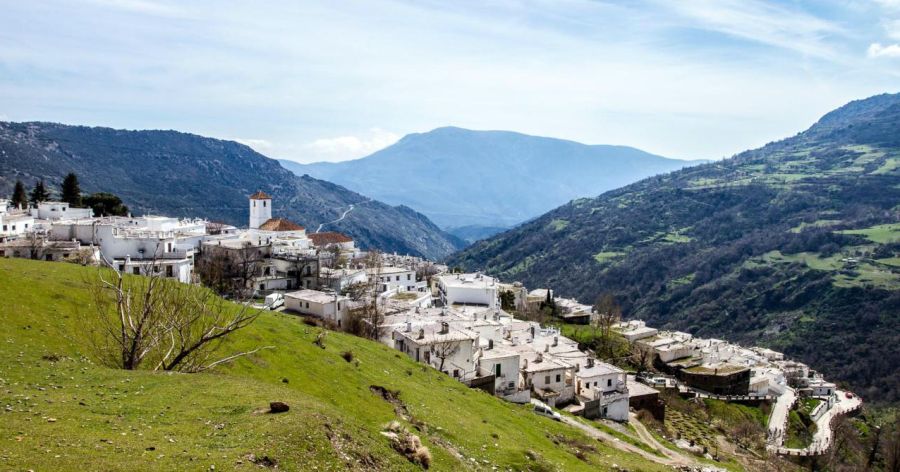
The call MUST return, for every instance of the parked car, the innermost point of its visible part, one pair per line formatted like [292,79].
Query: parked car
[544,410]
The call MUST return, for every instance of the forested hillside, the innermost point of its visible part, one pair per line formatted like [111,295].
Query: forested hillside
[794,245]
[186,175]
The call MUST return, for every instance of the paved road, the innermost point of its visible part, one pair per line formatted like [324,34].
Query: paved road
[823,436]
[343,215]
[779,416]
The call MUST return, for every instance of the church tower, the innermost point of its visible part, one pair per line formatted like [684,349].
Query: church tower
[260,209]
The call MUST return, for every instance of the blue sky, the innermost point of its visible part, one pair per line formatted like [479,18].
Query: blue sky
[335,80]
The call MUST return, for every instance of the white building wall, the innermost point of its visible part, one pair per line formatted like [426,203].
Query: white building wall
[260,212]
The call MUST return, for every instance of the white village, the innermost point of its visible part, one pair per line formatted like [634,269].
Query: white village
[462,324]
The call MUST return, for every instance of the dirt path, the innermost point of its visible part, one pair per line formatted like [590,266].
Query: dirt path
[624,446]
[644,435]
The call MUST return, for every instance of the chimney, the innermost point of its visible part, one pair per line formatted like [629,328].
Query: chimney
[408,326]
[421,333]
[445,327]
[539,358]
[546,348]
[590,362]
[555,341]
[524,363]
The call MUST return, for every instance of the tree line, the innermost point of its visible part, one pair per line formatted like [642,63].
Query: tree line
[102,203]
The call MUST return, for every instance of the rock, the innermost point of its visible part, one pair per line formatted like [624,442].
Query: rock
[278,407]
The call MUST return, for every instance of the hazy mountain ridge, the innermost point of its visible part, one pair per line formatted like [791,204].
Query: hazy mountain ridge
[794,245]
[183,175]
[460,177]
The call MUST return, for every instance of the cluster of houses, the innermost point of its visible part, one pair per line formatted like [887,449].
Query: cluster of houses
[278,254]
[457,323]
[717,368]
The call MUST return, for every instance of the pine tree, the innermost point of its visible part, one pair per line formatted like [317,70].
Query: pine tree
[19,197]
[39,193]
[71,191]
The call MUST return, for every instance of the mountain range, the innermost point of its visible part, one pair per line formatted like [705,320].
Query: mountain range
[186,175]
[793,245]
[476,183]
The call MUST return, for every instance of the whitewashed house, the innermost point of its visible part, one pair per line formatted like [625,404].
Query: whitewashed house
[13,221]
[330,307]
[399,278]
[59,211]
[468,289]
[445,348]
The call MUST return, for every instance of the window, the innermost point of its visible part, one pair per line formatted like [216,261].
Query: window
[136,270]
[169,271]
[398,278]
[408,277]
[121,267]
[456,373]
[547,380]
[264,203]
[262,286]
[497,370]
[5,227]
[26,225]
[557,377]
[609,382]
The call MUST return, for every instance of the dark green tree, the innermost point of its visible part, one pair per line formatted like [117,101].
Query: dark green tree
[39,193]
[71,191]
[106,204]
[19,197]
[507,300]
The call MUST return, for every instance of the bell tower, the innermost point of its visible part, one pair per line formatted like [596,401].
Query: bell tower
[260,209]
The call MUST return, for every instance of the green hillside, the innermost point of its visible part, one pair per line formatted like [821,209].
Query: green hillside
[793,245]
[64,412]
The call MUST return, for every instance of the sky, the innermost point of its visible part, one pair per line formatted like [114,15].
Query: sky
[336,80]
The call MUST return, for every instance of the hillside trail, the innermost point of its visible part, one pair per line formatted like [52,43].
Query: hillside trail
[651,441]
[343,215]
[674,461]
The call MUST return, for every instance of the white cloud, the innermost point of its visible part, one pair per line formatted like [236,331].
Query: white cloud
[763,22]
[879,50]
[350,147]
[261,146]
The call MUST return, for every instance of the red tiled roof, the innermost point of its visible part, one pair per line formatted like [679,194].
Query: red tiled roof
[260,195]
[324,239]
[279,224]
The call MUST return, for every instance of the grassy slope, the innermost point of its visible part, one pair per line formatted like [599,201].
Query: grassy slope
[108,419]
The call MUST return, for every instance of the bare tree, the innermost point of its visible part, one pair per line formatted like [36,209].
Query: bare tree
[36,245]
[152,321]
[608,313]
[443,350]
[641,357]
[247,264]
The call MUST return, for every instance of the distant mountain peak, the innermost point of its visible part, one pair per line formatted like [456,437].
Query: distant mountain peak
[490,178]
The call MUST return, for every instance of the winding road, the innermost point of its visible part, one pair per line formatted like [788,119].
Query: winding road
[343,215]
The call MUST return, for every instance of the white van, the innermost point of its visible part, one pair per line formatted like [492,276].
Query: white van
[274,300]
[544,410]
